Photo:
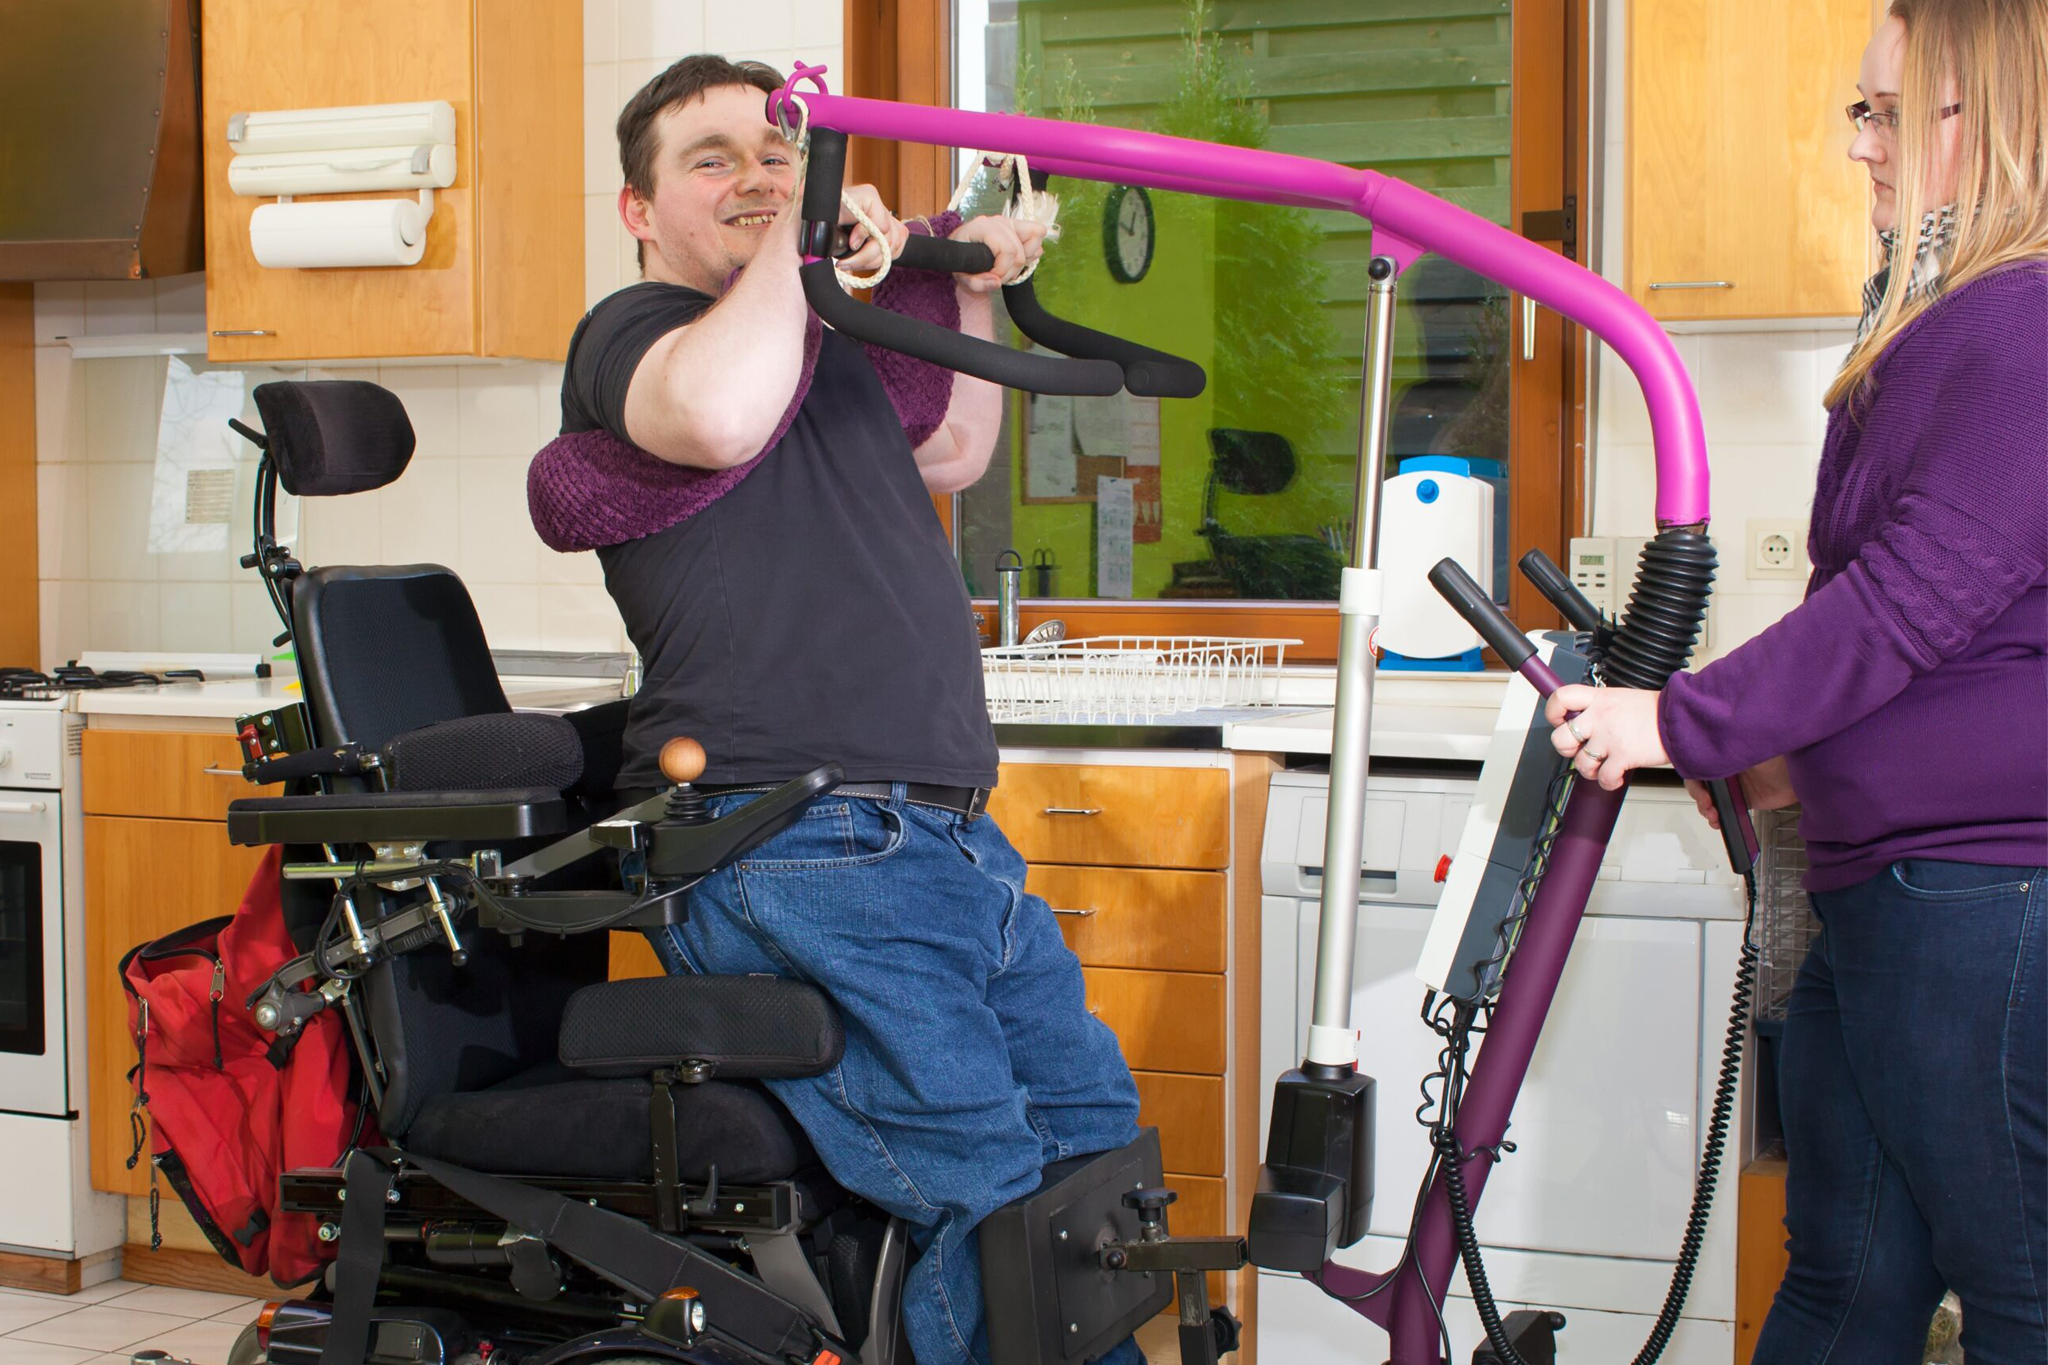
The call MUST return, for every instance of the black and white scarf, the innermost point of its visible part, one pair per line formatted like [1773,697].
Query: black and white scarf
[1936,227]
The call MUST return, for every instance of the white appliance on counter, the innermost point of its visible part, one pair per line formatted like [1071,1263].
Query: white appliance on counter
[47,1203]
[1586,1216]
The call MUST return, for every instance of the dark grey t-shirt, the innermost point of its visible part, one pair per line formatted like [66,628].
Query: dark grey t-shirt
[815,612]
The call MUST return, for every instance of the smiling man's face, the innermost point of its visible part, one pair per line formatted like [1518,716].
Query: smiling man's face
[721,173]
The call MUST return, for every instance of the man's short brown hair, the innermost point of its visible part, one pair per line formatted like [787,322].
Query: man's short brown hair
[685,81]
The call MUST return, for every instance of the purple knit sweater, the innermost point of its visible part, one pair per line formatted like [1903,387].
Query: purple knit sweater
[1909,691]
[589,489]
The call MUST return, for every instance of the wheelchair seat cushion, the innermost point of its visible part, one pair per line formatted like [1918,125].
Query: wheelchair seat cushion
[550,1122]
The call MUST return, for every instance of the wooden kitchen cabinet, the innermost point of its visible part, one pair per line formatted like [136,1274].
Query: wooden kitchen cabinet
[157,858]
[143,879]
[1741,200]
[503,270]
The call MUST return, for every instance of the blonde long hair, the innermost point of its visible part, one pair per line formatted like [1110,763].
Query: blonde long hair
[1996,53]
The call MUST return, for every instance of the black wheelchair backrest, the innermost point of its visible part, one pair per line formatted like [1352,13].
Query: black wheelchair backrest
[388,649]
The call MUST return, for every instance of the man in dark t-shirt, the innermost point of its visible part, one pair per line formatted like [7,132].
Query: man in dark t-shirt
[759,491]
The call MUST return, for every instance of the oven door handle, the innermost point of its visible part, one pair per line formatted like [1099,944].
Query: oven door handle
[23,807]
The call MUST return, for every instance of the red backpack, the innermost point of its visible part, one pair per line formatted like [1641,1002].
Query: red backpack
[232,1107]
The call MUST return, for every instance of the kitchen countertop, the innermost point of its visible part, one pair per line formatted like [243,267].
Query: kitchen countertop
[1414,716]
[228,698]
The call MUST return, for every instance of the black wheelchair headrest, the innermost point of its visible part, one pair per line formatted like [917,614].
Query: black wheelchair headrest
[333,436]
[481,753]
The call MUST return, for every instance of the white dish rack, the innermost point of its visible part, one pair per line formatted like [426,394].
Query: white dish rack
[1125,679]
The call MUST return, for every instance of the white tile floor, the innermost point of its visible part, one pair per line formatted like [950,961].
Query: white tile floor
[106,1323]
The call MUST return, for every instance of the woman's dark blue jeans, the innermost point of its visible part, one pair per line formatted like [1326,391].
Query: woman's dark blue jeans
[1912,1086]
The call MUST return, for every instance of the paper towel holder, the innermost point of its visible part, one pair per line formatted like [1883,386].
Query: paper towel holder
[349,149]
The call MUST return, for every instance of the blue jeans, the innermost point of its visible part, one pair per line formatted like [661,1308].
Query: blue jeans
[971,1059]
[1912,1085]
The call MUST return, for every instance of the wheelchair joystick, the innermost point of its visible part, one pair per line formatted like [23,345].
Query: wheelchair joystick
[682,762]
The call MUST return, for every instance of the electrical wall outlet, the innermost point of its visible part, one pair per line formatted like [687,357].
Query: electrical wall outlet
[1777,550]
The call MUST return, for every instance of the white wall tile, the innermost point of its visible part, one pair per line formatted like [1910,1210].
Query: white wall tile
[735,26]
[1750,482]
[603,236]
[831,56]
[124,615]
[117,307]
[60,405]
[197,617]
[579,570]
[1623,416]
[601,105]
[600,30]
[117,496]
[511,615]
[433,401]
[816,25]
[64,619]
[1742,616]
[1625,490]
[63,527]
[419,518]
[581,619]
[344,530]
[499,413]
[497,540]
[123,406]
[780,58]
[663,30]
[60,310]
[254,622]
[1757,387]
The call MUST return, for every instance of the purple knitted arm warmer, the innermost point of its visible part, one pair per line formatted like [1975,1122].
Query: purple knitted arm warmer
[920,390]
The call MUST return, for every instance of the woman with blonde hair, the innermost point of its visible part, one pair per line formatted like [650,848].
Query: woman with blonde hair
[1904,705]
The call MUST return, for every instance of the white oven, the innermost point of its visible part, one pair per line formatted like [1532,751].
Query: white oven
[49,1206]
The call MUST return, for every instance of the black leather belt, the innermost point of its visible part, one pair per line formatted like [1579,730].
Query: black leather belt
[971,802]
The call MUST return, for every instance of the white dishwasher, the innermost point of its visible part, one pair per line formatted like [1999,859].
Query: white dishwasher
[1586,1216]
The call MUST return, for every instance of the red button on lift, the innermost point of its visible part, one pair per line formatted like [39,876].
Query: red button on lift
[1443,867]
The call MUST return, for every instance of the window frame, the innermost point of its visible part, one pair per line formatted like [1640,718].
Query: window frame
[903,50]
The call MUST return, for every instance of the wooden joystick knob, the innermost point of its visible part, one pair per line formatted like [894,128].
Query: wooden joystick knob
[682,759]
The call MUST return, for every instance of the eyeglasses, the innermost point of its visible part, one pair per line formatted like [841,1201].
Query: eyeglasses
[1887,120]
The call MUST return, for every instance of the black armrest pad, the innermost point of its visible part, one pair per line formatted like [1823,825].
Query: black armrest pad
[746,1027]
[396,817]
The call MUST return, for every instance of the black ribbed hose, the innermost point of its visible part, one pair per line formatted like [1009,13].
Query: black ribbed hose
[1702,1193]
[1662,623]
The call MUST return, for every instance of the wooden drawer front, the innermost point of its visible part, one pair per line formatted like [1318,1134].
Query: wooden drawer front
[143,879]
[1188,1112]
[1140,817]
[1166,1021]
[161,773]
[1137,917]
[632,955]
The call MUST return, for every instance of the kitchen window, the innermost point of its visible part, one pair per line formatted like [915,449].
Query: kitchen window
[1238,502]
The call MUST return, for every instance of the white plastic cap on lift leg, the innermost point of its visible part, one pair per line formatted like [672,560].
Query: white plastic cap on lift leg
[1332,1046]
[1361,592]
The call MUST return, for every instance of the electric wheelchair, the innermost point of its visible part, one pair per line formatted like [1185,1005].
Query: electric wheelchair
[573,1169]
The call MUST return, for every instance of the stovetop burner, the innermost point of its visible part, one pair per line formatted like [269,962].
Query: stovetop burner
[26,684]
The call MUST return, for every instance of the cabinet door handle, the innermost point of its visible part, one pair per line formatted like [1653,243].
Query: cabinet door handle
[1693,284]
[259,332]
[1528,328]
[1073,810]
[23,807]
[1077,914]
[222,772]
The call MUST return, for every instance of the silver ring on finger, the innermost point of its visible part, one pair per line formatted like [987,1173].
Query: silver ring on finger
[1596,757]
[1573,725]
